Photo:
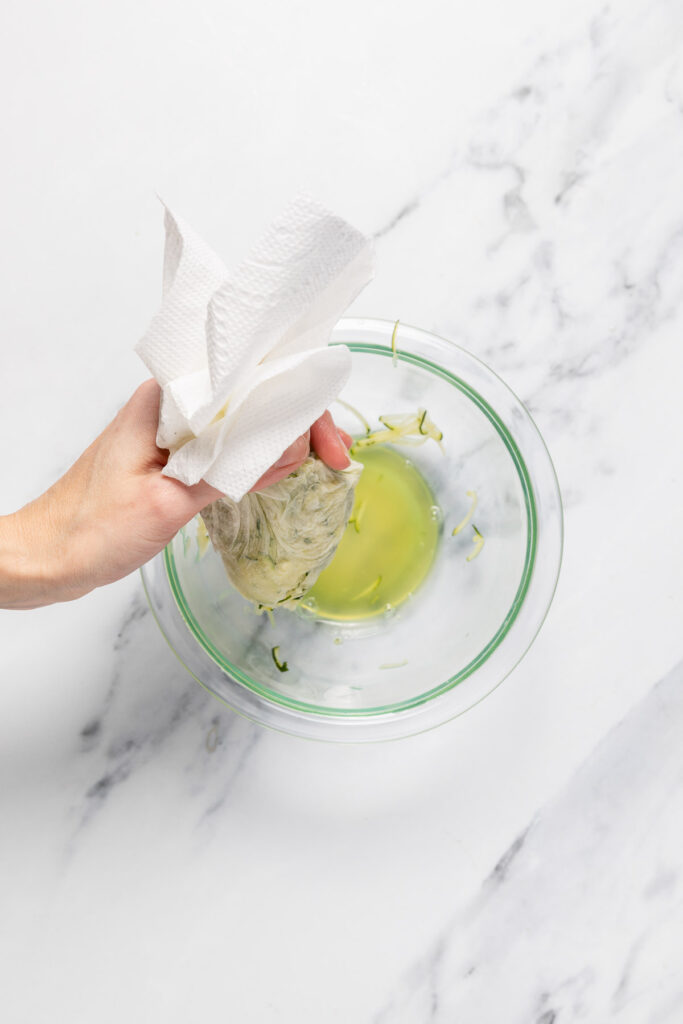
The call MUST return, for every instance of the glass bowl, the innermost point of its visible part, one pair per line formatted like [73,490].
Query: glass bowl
[465,628]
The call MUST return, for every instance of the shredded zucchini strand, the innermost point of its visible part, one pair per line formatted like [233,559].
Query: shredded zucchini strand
[369,589]
[394,351]
[281,666]
[410,429]
[478,544]
[359,415]
[465,520]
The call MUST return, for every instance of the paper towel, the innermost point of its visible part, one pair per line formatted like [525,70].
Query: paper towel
[243,358]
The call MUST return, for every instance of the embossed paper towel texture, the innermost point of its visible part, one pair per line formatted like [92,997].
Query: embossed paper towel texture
[243,358]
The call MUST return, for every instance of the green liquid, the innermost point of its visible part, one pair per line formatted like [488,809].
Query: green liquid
[389,543]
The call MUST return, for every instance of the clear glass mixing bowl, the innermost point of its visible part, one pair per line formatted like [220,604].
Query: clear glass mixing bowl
[469,623]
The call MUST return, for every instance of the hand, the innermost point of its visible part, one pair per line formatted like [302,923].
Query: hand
[326,440]
[114,510]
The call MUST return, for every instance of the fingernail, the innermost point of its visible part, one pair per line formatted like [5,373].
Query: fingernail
[284,460]
[342,446]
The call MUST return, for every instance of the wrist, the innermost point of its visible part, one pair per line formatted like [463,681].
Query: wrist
[22,578]
[35,566]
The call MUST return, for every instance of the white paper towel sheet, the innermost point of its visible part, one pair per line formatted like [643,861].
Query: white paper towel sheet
[243,358]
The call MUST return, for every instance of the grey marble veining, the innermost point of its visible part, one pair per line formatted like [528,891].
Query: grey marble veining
[141,712]
[163,859]
[547,153]
[582,916]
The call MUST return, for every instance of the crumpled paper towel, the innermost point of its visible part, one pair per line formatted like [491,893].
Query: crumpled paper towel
[243,358]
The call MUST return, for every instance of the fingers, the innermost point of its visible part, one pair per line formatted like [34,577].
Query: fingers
[296,452]
[202,494]
[290,460]
[327,442]
[143,407]
[138,421]
[326,439]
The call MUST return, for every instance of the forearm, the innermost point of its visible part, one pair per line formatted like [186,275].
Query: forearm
[22,579]
[35,569]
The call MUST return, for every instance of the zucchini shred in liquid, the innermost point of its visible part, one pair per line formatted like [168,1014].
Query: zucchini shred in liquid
[389,543]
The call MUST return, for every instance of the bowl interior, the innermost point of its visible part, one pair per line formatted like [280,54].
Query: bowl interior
[453,623]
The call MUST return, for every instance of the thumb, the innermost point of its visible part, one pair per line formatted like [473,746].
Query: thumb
[202,494]
[182,501]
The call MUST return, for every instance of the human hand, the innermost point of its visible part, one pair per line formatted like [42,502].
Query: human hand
[114,510]
[325,438]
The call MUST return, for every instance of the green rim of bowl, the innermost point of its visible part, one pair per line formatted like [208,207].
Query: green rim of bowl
[238,675]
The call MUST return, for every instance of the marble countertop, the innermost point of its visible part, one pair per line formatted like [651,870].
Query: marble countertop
[520,166]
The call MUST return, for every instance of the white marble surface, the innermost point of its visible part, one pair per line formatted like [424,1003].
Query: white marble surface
[162,860]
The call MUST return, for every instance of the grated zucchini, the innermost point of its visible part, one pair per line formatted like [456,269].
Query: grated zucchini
[281,666]
[465,520]
[478,544]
